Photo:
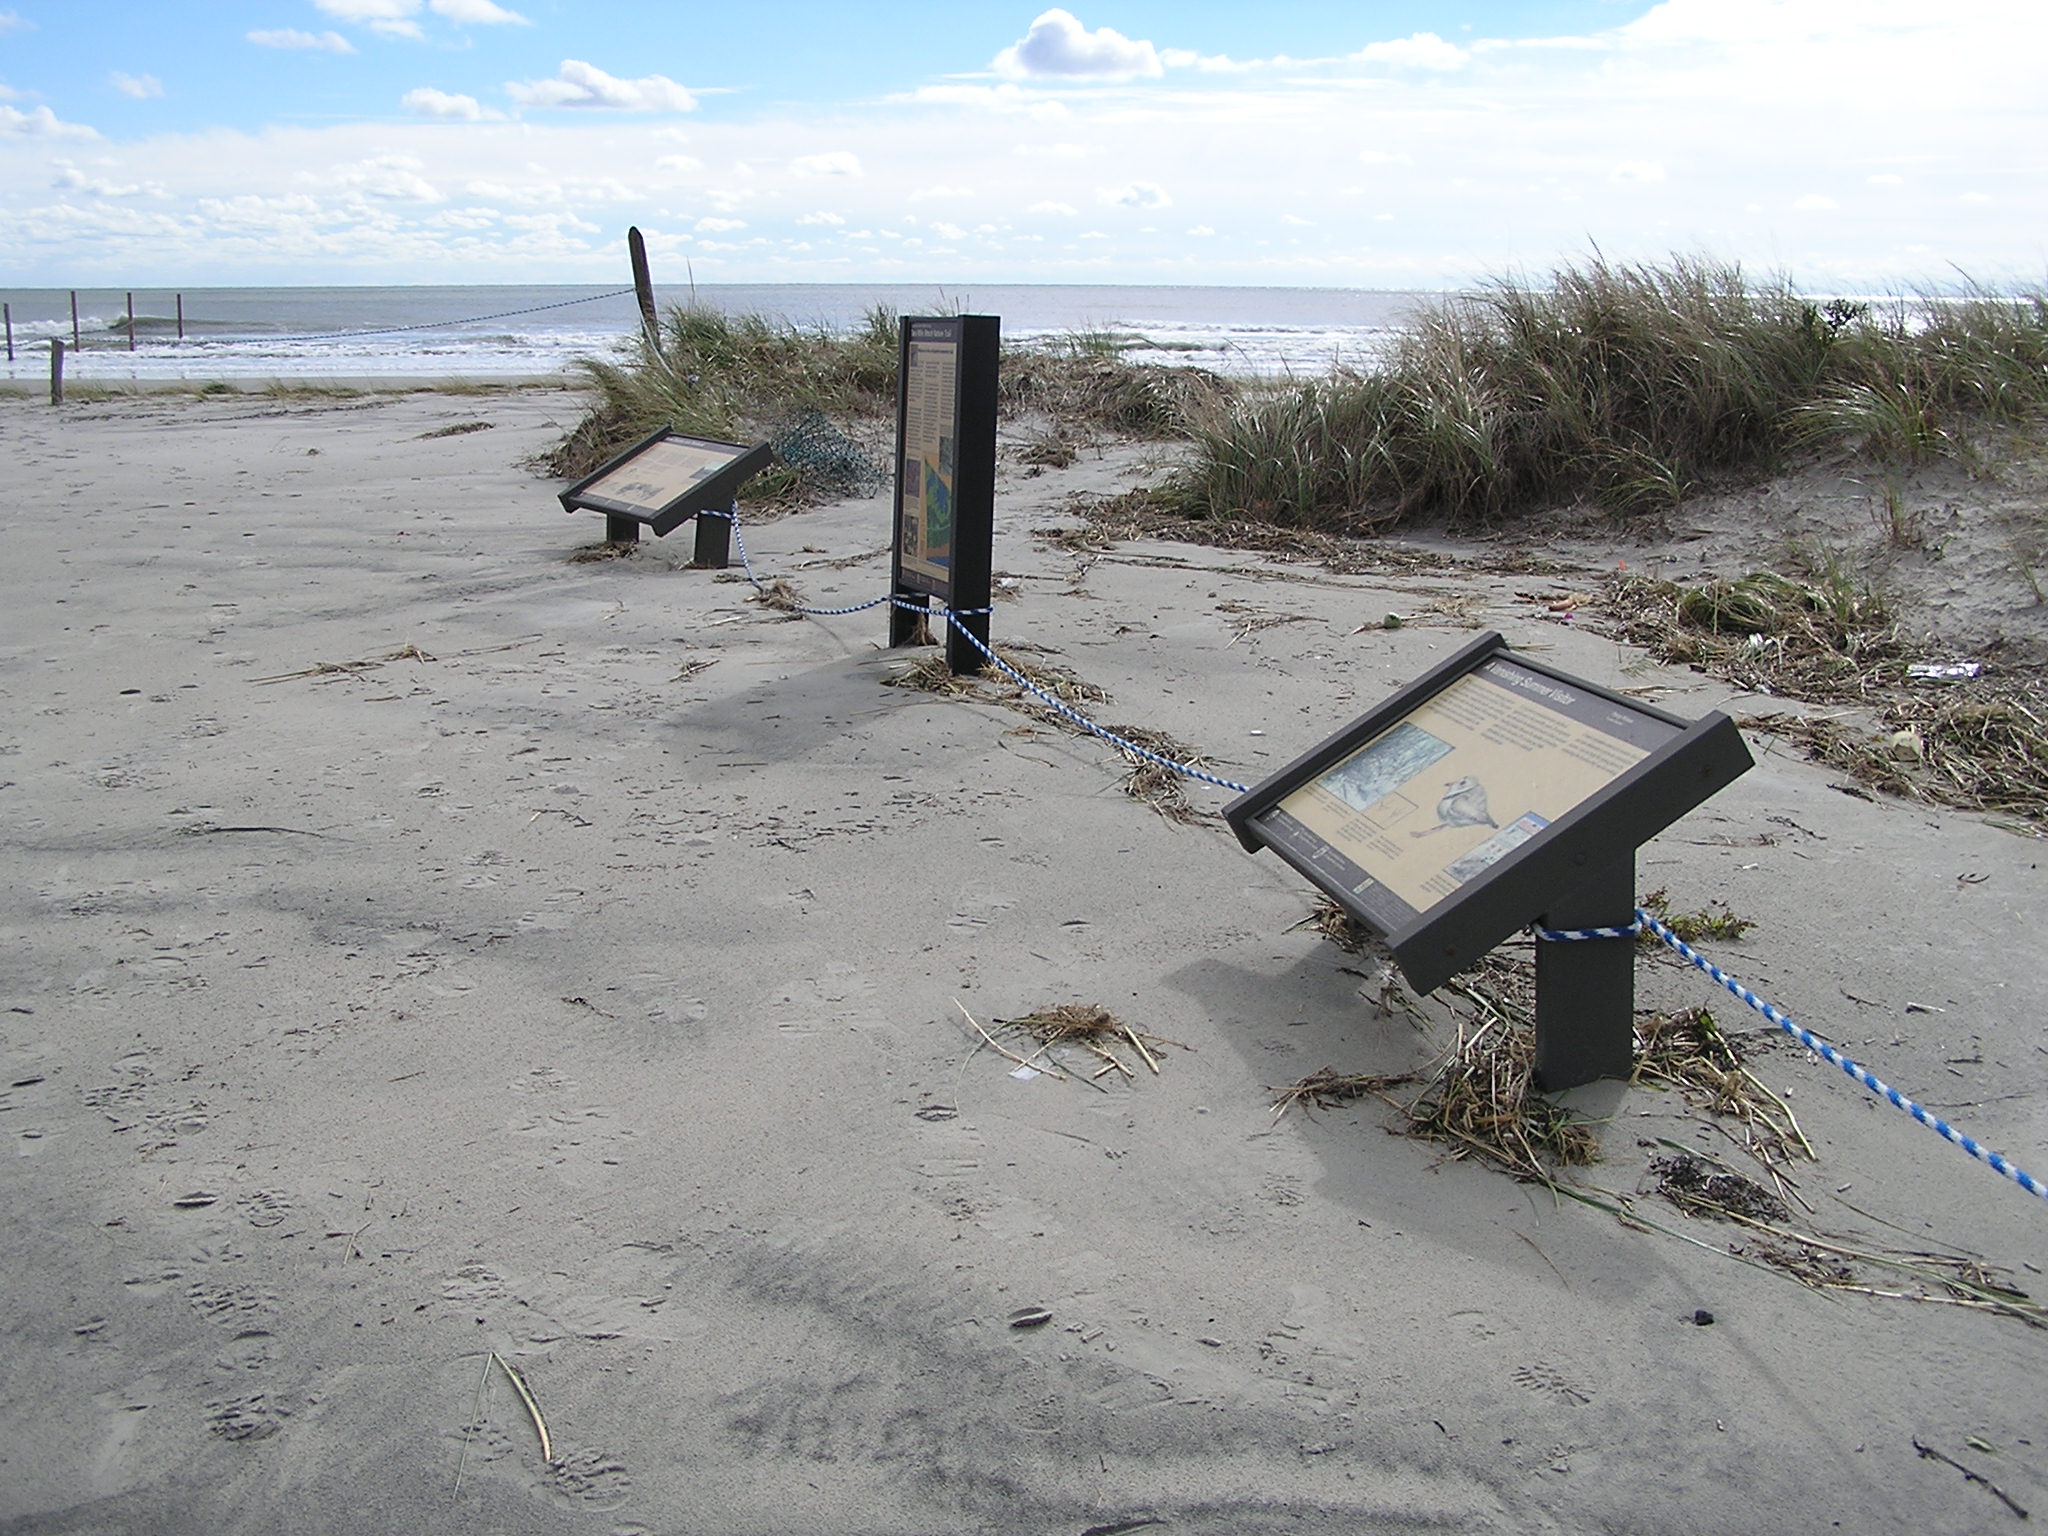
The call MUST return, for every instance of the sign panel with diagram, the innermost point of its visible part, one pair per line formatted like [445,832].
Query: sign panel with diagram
[1478,797]
[664,480]
[945,477]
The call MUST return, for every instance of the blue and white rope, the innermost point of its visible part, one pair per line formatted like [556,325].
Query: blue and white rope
[1811,1041]
[1065,711]
[1059,706]
[761,586]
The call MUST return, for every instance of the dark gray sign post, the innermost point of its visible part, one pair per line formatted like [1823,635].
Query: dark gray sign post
[1491,793]
[945,478]
[664,479]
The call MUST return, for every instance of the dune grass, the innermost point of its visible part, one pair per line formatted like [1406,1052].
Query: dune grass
[1629,386]
[729,377]
[738,377]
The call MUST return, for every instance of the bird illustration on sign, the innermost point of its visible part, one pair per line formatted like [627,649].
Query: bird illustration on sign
[1463,805]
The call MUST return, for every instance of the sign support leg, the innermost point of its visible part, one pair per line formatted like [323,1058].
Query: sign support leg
[963,657]
[621,530]
[714,542]
[1585,988]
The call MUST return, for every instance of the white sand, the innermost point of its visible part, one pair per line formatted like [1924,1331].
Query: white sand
[551,997]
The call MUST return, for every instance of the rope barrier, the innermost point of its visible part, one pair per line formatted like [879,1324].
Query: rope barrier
[1646,923]
[747,564]
[1122,743]
[431,325]
[1058,705]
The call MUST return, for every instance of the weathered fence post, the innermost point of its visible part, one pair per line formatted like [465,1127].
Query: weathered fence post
[131,322]
[8,311]
[56,370]
[643,286]
[74,319]
[181,317]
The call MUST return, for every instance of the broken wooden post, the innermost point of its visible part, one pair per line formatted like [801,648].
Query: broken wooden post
[643,286]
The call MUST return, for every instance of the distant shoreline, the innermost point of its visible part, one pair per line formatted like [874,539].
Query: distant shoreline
[86,390]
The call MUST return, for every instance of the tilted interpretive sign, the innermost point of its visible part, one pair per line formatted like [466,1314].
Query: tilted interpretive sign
[1492,793]
[668,477]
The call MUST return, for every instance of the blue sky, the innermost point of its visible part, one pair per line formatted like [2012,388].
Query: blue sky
[1379,143]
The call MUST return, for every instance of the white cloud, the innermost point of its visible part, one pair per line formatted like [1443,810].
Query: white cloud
[1384,157]
[440,105]
[393,18]
[1212,63]
[1886,179]
[479,13]
[821,217]
[946,231]
[988,98]
[922,194]
[1067,210]
[393,177]
[12,22]
[1136,194]
[577,84]
[1637,170]
[1202,232]
[719,226]
[41,123]
[1814,202]
[1059,47]
[70,178]
[292,37]
[137,87]
[836,162]
[679,163]
[1425,50]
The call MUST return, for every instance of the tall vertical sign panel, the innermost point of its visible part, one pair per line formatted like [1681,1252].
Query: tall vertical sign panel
[945,478]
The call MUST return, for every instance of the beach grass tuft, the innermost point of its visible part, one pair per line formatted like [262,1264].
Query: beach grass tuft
[1630,386]
[1711,922]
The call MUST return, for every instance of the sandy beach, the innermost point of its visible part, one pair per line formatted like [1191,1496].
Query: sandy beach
[425,949]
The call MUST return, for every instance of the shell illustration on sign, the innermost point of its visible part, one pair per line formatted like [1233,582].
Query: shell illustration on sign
[1463,805]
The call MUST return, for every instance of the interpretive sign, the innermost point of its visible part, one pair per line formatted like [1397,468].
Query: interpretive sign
[1493,793]
[666,478]
[945,477]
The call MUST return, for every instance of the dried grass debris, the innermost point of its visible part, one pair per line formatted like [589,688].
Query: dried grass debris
[1983,751]
[1830,639]
[1087,1027]
[1689,1052]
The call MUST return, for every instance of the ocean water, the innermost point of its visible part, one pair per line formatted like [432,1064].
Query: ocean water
[507,331]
